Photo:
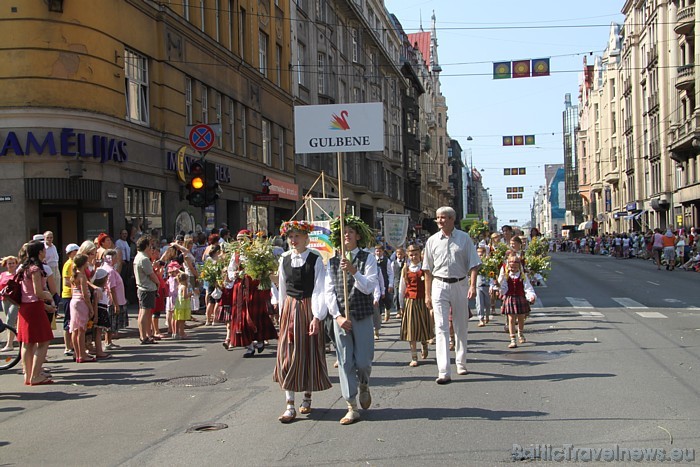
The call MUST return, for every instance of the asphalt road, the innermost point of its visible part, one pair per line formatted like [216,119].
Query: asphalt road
[612,359]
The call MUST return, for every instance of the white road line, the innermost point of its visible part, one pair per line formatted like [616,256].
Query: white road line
[672,300]
[695,308]
[619,272]
[591,314]
[628,302]
[579,302]
[653,283]
[651,314]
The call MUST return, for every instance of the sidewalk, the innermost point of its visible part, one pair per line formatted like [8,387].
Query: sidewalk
[132,330]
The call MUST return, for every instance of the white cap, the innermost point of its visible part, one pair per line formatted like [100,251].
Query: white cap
[72,247]
[38,237]
[99,274]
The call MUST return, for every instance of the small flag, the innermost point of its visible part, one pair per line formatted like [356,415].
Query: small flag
[529,140]
[514,171]
[506,171]
[507,141]
[521,69]
[501,70]
[540,67]
[518,140]
[521,171]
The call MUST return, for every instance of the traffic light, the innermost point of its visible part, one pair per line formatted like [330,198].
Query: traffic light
[211,186]
[197,185]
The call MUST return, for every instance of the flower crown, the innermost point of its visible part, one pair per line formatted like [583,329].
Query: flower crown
[301,226]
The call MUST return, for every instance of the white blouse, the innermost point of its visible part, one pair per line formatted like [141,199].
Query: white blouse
[529,290]
[318,302]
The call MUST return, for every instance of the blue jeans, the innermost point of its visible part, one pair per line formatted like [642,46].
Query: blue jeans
[355,350]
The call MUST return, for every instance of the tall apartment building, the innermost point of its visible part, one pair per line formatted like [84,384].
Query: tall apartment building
[97,98]
[638,132]
[574,208]
[348,51]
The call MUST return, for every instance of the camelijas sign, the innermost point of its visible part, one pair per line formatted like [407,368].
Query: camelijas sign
[339,128]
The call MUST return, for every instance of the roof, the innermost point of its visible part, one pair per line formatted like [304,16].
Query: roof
[421,40]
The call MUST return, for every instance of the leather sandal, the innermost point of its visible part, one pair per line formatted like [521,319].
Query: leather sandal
[305,407]
[289,415]
[512,344]
[424,351]
[351,417]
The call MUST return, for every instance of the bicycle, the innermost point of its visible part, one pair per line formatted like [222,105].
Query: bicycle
[10,360]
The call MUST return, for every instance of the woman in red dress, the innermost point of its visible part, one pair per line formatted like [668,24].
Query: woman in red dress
[34,328]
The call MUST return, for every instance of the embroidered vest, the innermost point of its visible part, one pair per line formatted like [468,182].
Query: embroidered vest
[415,285]
[300,281]
[361,305]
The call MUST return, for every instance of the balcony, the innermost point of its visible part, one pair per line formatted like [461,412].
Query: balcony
[432,179]
[413,176]
[652,56]
[652,102]
[685,80]
[612,176]
[682,137]
[685,20]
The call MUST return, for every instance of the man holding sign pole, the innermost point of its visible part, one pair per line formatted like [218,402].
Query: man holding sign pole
[354,330]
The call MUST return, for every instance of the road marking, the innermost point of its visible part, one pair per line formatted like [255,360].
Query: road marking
[653,283]
[579,302]
[619,272]
[628,302]
[651,314]
[591,314]
[693,308]
[671,300]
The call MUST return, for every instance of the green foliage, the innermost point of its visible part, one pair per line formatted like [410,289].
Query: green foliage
[536,259]
[478,229]
[491,265]
[366,234]
[260,262]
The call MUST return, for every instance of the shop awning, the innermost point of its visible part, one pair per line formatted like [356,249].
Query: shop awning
[585,225]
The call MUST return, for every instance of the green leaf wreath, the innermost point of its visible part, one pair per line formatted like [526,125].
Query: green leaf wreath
[357,224]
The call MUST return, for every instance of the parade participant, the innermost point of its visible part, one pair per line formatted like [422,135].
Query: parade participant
[657,246]
[386,278]
[301,360]
[416,323]
[118,314]
[483,296]
[516,245]
[450,256]
[183,309]
[397,266]
[171,296]
[81,311]
[225,309]
[212,303]
[66,294]
[33,326]
[507,234]
[11,263]
[353,330]
[147,286]
[517,294]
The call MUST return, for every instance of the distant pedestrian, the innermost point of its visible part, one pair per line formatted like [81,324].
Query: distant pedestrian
[669,243]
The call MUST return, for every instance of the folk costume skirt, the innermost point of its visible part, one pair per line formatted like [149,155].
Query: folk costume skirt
[301,359]
[515,305]
[416,324]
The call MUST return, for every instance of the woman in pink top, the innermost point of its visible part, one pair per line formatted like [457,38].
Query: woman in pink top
[34,329]
[117,298]
[657,246]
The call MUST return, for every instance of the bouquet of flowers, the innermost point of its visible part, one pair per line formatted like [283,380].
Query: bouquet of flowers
[260,261]
[478,229]
[211,272]
[491,265]
[536,260]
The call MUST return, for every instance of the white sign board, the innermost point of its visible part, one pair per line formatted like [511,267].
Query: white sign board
[395,229]
[339,128]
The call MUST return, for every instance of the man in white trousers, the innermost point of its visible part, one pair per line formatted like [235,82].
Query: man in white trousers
[449,257]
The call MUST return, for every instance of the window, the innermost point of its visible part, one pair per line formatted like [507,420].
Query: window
[244,131]
[230,24]
[136,84]
[321,73]
[278,64]
[301,55]
[262,53]
[217,14]
[241,32]
[201,14]
[232,124]
[205,104]
[144,207]
[280,146]
[188,100]
[321,10]
[355,46]
[217,108]
[266,143]
[186,9]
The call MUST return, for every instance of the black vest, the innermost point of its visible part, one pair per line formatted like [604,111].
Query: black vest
[300,281]
[361,305]
[382,264]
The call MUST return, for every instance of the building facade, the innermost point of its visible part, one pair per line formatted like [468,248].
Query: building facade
[94,113]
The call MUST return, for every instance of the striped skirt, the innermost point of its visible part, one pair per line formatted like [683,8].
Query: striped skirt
[301,358]
[515,305]
[416,323]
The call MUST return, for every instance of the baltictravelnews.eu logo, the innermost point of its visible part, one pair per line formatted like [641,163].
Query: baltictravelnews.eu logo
[340,123]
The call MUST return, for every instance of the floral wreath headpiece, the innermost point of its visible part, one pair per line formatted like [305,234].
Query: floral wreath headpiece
[300,226]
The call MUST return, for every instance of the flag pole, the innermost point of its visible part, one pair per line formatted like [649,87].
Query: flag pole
[342,233]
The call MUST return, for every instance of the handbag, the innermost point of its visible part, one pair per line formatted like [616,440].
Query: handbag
[12,290]
[216,294]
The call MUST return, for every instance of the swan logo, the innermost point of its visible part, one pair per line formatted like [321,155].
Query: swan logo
[340,123]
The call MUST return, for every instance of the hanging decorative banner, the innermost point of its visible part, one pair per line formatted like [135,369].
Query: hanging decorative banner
[501,70]
[521,69]
[395,229]
[540,67]
[518,140]
[507,141]
[506,171]
[322,209]
[320,239]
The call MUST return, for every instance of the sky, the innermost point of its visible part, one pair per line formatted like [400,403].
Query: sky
[471,36]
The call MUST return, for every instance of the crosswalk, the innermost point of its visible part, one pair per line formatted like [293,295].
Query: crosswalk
[585,308]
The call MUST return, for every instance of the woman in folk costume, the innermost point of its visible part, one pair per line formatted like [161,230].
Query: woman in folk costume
[251,325]
[301,360]
[517,294]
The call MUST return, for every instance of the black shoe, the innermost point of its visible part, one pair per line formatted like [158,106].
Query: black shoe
[249,353]
[443,380]
[261,348]
[148,341]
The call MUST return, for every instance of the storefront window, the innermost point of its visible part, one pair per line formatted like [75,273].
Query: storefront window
[143,209]
[257,218]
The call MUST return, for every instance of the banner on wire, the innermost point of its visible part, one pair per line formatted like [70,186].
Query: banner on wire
[320,240]
[395,229]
